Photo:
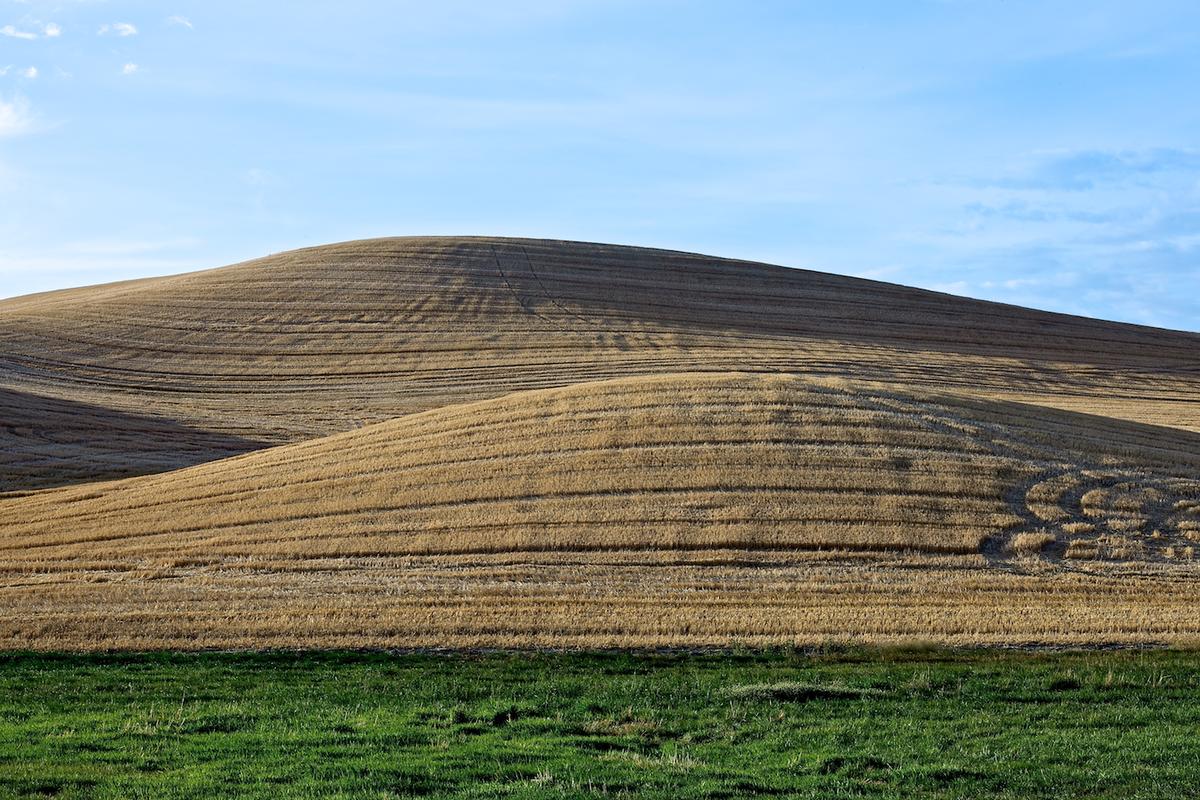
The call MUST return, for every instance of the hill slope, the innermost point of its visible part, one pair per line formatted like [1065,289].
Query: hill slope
[655,475]
[477,442]
[322,340]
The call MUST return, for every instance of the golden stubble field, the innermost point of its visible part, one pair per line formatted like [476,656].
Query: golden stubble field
[489,442]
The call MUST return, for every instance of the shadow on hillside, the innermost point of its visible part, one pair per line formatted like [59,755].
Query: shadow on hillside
[700,294]
[1119,442]
[47,442]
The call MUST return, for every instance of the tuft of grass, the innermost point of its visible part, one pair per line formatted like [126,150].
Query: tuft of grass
[1031,543]
[1083,549]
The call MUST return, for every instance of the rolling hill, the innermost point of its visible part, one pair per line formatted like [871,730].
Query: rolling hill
[469,442]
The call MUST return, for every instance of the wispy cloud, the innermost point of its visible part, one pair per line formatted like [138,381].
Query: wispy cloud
[127,247]
[129,69]
[50,30]
[26,269]
[1024,211]
[1082,170]
[258,177]
[26,72]
[15,116]
[1079,231]
[25,272]
[118,29]
[12,33]
[183,22]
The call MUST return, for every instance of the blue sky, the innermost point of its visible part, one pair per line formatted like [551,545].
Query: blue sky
[1041,153]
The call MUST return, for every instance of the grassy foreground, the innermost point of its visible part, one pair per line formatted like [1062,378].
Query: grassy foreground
[837,724]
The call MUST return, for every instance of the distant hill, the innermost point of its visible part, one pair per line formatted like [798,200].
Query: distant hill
[497,442]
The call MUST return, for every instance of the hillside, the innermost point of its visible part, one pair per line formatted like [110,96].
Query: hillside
[323,340]
[478,442]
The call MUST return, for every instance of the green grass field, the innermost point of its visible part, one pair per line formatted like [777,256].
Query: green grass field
[834,724]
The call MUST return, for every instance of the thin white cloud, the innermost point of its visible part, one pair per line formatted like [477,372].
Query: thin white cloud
[52,30]
[127,247]
[30,72]
[13,33]
[129,69]
[35,271]
[259,178]
[15,117]
[118,29]
[182,21]
[4,70]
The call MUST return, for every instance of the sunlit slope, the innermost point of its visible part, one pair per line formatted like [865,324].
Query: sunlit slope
[322,340]
[661,474]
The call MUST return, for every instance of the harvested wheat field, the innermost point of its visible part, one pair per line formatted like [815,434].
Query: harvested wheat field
[489,443]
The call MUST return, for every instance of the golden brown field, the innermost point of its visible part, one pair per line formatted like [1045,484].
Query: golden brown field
[490,442]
